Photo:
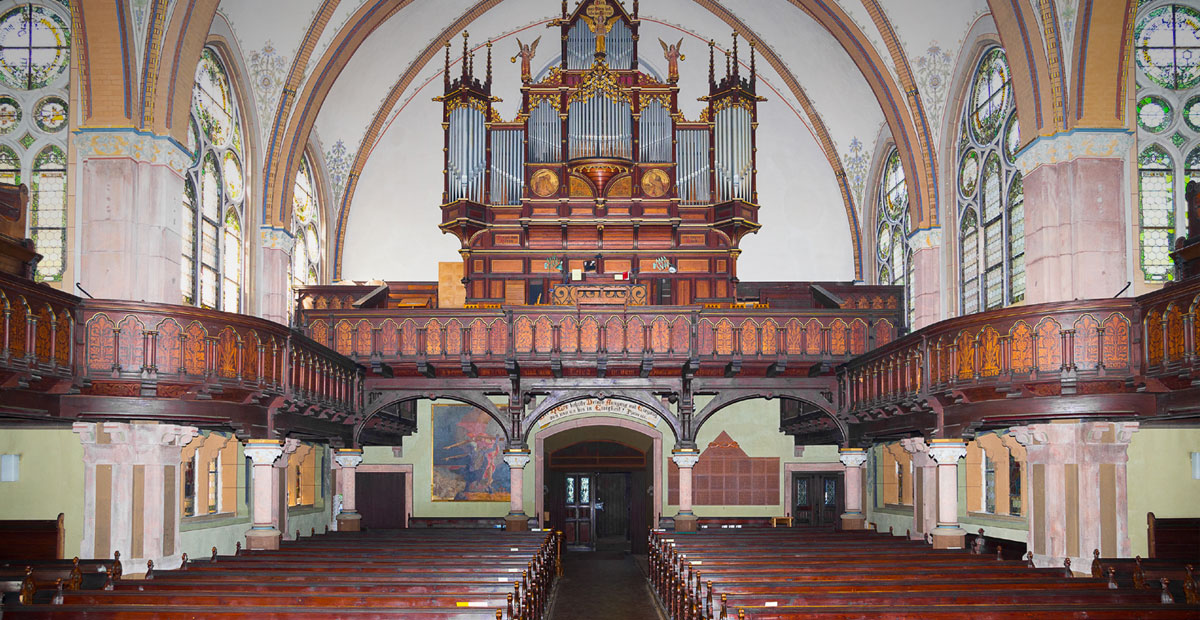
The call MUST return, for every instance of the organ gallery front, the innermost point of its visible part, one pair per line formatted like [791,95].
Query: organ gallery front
[599,177]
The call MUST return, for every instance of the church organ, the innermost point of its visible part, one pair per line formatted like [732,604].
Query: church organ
[599,169]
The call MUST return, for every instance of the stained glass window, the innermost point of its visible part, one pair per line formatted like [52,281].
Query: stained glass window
[306,228]
[990,193]
[48,213]
[1156,193]
[1168,45]
[35,47]
[213,244]
[35,40]
[893,256]
[1167,41]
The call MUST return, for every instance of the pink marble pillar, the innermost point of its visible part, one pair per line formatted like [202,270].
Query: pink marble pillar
[131,500]
[925,495]
[517,520]
[263,453]
[274,285]
[1076,208]
[130,221]
[946,453]
[685,459]
[853,459]
[348,460]
[926,286]
[1077,493]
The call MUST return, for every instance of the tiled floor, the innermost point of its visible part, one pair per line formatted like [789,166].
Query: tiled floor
[603,585]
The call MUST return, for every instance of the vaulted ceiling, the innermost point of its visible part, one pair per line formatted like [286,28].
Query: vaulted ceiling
[835,93]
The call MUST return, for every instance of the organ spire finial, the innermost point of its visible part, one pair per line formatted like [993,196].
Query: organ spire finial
[735,56]
[446,70]
[753,73]
[466,68]
[727,71]
[488,82]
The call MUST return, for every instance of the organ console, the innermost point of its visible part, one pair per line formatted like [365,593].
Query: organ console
[599,162]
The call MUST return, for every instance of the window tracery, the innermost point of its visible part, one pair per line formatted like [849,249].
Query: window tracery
[990,191]
[213,204]
[1167,56]
[35,51]
[306,229]
[893,257]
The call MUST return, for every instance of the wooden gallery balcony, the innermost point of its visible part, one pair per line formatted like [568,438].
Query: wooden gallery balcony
[73,359]
[621,341]
[1130,358]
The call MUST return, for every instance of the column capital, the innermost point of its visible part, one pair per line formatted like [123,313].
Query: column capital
[349,458]
[1072,145]
[516,459]
[947,451]
[263,451]
[141,434]
[685,458]
[852,457]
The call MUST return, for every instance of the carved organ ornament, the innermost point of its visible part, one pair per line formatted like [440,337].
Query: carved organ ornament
[599,169]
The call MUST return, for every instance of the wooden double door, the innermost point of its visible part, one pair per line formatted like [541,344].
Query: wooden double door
[600,509]
[817,498]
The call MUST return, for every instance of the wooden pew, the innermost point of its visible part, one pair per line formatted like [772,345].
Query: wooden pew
[1173,539]
[28,540]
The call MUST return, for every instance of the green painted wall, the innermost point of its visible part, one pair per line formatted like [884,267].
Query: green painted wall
[51,480]
[1160,480]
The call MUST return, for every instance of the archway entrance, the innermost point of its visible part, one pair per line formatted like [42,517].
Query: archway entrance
[597,486]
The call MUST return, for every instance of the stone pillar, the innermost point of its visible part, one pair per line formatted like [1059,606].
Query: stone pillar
[685,459]
[926,286]
[131,497]
[946,452]
[925,496]
[1077,490]
[853,459]
[279,503]
[1076,206]
[263,453]
[517,520]
[348,520]
[274,285]
[130,221]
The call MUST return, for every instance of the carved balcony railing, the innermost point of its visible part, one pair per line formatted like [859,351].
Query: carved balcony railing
[1038,350]
[1170,331]
[124,348]
[634,334]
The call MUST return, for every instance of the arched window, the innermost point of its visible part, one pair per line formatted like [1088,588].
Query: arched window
[35,52]
[991,196]
[1167,41]
[893,257]
[213,245]
[306,229]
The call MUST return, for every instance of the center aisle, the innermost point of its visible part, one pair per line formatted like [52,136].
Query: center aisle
[602,585]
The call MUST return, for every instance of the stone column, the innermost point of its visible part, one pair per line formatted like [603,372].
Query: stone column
[131,497]
[517,520]
[279,475]
[1077,490]
[685,459]
[1076,205]
[927,277]
[274,289]
[946,452]
[263,533]
[129,226]
[853,459]
[925,496]
[348,520]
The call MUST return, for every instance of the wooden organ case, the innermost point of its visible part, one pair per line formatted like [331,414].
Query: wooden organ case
[599,191]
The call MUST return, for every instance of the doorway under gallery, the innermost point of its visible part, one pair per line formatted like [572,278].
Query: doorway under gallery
[597,484]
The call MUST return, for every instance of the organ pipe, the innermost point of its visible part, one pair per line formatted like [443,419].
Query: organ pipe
[507,167]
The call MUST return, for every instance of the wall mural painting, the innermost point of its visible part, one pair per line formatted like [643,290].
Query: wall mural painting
[468,456]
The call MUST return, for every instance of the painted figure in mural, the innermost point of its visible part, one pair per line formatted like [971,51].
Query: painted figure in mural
[468,460]
[526,53]
[673,55]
